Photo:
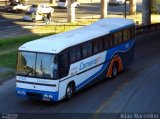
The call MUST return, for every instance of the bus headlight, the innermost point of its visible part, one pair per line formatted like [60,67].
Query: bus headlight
[45,96]
[50,96]
[23,93]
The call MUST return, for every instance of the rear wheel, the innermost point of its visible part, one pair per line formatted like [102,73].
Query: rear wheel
[114,70]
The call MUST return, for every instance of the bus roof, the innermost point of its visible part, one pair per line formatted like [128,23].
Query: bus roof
[57,43]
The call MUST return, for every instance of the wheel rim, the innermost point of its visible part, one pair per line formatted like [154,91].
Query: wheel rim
[69,91]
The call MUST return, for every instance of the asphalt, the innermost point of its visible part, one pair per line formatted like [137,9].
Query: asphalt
[136,90]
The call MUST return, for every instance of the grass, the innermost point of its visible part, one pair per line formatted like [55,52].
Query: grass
[8,60]
[10,43]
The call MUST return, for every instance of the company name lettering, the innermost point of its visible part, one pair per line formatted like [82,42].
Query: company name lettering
[85,65]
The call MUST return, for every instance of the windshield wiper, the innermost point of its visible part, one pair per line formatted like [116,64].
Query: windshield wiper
[28,72]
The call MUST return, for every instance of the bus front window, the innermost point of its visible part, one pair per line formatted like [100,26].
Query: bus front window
[26,63]
[37,65]
[46,66]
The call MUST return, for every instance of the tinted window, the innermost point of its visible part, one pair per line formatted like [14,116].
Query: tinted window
[97,45]
[75,54]
[126,34]
[117,38]
[86,49]
[108,42]
[64,65]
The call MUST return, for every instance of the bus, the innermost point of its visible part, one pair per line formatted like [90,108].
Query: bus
[57,66]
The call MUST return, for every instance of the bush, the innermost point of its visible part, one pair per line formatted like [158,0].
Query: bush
[155,6]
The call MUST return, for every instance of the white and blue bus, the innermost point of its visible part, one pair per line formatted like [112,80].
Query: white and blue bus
[55,67]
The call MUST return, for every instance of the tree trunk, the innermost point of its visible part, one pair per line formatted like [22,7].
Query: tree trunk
[52,2]
[104,8]
[146,12]
[132,4]
[71,11]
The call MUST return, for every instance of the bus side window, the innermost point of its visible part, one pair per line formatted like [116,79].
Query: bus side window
[126,35]
[86,49]
[63,64]
[108,43]
[72,55]
[75,54]
[98,45]
[117,38]
[78,52]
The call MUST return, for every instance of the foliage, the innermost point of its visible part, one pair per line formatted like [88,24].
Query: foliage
[155,6]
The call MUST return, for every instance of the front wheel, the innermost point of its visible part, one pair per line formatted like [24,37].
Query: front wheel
[69,91]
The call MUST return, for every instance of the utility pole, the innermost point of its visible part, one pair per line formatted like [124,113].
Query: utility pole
[71,11]
[104,8]
[146,12]
[132,5]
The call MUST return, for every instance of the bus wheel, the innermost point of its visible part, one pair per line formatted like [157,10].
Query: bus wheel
[114,70]
[69,91]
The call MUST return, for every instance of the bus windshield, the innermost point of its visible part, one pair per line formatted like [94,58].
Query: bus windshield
[37,65]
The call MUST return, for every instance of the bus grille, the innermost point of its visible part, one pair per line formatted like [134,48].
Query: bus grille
[34,95]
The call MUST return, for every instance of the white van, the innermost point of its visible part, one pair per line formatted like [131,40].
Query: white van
[41,8]
[33,16]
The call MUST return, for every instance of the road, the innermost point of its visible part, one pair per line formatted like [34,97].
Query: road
[134,90]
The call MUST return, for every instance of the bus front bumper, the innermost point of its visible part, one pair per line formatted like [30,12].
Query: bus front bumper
[37,94]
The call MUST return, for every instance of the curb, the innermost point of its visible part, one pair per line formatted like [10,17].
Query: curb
[7,78]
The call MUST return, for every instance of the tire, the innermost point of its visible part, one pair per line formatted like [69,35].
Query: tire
[114,70]
[33,20]
[69,91]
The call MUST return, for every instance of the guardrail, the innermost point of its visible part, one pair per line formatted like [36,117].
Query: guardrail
[147,28]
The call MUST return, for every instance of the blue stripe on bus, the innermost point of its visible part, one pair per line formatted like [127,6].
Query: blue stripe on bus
[110,53]
[54,94]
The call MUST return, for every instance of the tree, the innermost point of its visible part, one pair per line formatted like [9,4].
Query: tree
[71,11]
[146,12]
[104,8]
[132,7]
[155,8]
